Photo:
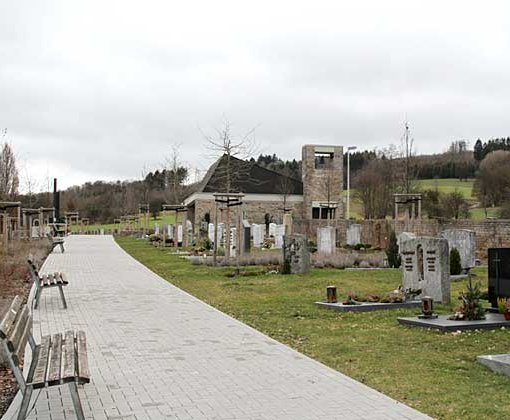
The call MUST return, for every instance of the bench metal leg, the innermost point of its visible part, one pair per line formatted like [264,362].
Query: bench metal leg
[76,401]
[62,296]
[37,296]
[22,414]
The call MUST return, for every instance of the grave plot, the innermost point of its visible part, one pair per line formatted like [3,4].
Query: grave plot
[397,299]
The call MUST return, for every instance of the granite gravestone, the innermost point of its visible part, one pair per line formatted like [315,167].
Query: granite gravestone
[156,228]
[426,266]
[464,241]
[499,274]
[295,254]
[354,234]
[326,240]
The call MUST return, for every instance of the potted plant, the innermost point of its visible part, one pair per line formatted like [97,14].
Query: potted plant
[504,307]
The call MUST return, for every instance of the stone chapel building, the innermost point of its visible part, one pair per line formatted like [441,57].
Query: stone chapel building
[268,195]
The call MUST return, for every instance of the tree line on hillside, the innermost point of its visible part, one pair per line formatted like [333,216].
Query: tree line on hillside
[482,149]
[375,175]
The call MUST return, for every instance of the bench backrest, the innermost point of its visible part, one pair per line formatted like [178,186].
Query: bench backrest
[15,329]
[34,272]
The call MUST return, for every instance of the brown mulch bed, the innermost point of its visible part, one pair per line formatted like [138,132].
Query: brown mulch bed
[15,280]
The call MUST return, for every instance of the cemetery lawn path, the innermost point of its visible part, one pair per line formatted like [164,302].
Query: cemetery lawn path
[433,372]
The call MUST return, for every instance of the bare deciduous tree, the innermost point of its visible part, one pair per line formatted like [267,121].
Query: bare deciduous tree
[233,152]
[492,185]
[9,179]
[176,175]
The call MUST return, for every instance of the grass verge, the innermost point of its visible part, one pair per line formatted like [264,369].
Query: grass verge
[434,372]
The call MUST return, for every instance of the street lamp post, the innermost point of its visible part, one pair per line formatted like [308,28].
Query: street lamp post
[349,148]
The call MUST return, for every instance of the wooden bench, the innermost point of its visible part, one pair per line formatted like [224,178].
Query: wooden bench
[46,281]
[59,359]
[56,241]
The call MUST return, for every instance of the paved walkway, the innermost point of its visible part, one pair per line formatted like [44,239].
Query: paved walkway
[155,352]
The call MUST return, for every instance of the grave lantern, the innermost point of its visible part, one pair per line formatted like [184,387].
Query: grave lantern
[331,294]
[427,307]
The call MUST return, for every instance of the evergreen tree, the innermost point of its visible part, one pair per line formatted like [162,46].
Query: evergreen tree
[392,253]
[455,265]
[478,150]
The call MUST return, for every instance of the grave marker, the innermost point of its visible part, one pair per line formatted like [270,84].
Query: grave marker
[295,253]
[326,240]
[354,234]
[464,241]
[426,266]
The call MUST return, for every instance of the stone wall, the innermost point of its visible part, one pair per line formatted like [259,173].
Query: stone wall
[254,211]
[489,233]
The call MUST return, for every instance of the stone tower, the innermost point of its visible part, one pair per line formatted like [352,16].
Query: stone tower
[322,182]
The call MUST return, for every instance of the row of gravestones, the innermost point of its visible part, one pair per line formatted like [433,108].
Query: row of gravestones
[257,231]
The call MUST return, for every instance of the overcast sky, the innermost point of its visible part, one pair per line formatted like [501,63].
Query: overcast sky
[102,89]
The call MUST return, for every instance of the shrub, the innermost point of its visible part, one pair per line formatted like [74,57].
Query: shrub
[392,253]
[471,308]
[455,266]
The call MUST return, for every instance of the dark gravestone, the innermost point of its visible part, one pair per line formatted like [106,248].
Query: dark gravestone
[499,274]
[246,237]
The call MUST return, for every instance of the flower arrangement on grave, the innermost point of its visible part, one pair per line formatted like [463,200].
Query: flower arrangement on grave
[352,299]
[504,307]
[470,308]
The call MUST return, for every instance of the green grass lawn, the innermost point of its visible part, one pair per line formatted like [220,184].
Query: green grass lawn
[431,371]
[162,220]
[449,185]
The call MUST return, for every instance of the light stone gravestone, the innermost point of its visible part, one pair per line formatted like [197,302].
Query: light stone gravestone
[354,234]
[258,235]
[156,228]
[464,241]
[179,233]
[278,236]
[404,236]
[35,232]
[272,229]
[326,240]
[287,222]
[188,238]
[295,253]
[170,231]
[210,232]
[221,234]
[233,242]
[426,266]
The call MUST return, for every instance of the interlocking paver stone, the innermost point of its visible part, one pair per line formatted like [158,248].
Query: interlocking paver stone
[156,352]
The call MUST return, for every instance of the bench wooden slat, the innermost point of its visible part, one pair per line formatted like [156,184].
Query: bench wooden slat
[64,278]
[7,323]
[19,328]
[83,364]
[39,378]
[55,361]
[19,350]
[69,355]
